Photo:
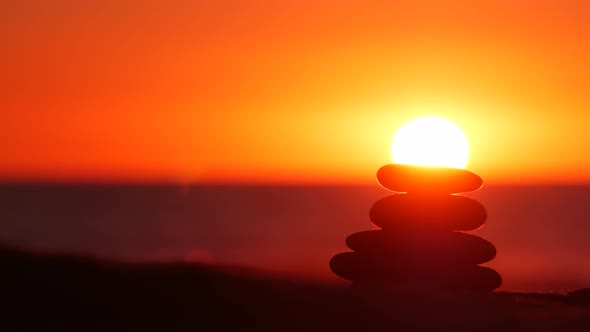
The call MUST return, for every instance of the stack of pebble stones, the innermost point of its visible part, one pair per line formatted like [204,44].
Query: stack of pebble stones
[421,241]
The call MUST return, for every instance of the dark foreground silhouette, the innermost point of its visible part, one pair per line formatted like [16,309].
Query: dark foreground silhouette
[42,292]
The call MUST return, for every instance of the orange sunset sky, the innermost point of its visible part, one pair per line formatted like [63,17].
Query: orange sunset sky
[293,91]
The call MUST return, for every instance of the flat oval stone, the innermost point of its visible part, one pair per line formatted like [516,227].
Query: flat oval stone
[362,267]
[413,211]
[448,248]
[475,278]
[412,178]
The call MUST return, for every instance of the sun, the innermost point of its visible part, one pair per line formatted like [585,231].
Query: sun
[430,141]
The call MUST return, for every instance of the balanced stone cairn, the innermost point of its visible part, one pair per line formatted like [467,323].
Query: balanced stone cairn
[421,243]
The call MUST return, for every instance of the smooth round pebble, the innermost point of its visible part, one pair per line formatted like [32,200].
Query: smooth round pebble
[412,178]
[357,266]
[448,248]
[408,211]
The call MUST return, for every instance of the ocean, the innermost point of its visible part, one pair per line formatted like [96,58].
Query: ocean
[542,233]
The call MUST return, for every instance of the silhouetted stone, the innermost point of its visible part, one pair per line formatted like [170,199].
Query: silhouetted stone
[406,249]
[411,178]
[364,267]
[418,247]
[410,211]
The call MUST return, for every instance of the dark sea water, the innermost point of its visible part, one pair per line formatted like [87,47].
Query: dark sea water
[542,233]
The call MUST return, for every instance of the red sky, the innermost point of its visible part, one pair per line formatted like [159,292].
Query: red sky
[290,91]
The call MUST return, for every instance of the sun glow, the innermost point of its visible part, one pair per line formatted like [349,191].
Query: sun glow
[430,141]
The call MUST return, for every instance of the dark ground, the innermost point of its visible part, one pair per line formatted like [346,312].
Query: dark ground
[54,292]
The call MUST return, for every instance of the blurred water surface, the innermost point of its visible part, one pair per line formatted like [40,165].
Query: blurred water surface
[542,233]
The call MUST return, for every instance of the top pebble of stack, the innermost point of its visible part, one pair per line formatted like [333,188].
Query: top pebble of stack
[425,179]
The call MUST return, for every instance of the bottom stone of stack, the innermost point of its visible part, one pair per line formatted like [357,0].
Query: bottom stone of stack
[364,267]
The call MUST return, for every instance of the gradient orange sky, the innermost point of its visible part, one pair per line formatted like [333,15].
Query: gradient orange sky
[295,91]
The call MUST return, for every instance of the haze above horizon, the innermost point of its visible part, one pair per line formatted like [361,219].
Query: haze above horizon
[293,92]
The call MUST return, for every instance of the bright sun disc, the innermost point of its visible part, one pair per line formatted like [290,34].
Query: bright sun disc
[430,141]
